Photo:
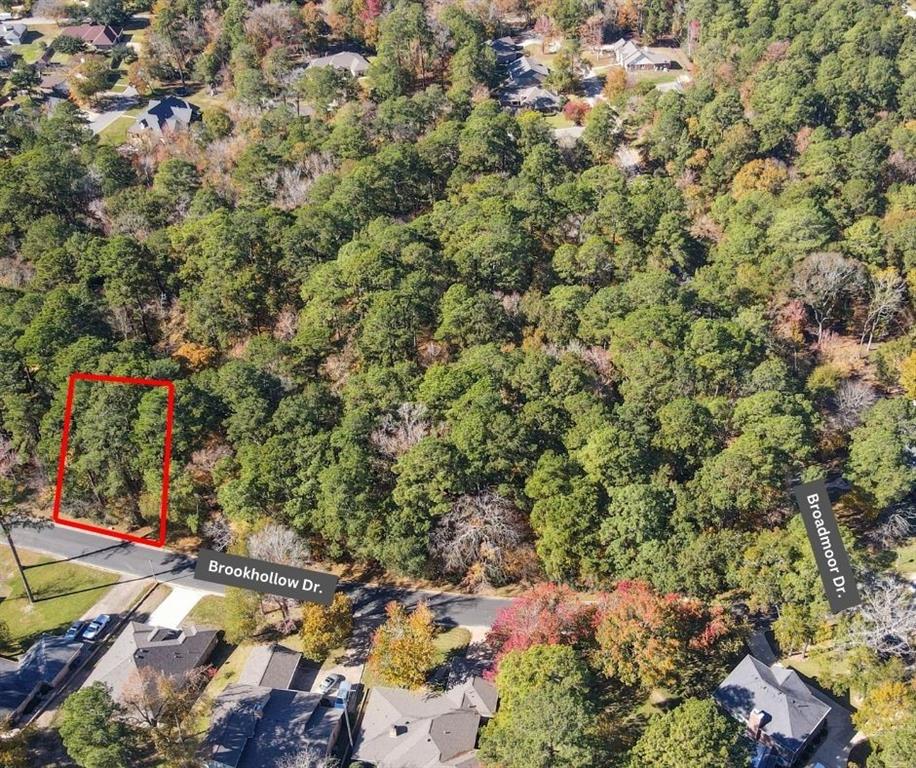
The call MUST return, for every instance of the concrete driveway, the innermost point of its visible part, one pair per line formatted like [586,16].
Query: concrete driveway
[175,608]
[834,750]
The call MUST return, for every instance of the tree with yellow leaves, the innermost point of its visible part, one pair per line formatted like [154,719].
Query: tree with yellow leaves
[402,648]
[326,627]
[885,707]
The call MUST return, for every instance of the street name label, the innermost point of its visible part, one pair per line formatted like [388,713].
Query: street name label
[266,577]
[829,552]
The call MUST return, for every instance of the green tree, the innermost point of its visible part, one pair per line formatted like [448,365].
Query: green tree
[93,730]
[243,614]
[694,732]
[537,686]
[880,460]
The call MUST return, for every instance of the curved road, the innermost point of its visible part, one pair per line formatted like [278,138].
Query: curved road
[174,568]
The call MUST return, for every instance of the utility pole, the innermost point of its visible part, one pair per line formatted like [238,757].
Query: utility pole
[9,540]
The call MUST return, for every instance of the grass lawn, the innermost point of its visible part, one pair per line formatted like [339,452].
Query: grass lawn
[450,642]
[65,591]
[116,133]
[559,120]
[906,558]
[209,611]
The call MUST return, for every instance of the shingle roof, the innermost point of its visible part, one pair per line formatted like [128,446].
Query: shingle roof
[401,729]
[794,713]
[271,666]
[352,61]
[43,662]
[168,114]
[94,34]
[259,727]
[170,651]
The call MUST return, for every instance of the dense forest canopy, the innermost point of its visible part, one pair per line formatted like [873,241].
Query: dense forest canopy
[405,314]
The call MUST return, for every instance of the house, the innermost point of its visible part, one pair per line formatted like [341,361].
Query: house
[13,32]
[43,667]
[636,59]
[171,652]
[351,61]
[54,83]
[262,722]
[164,116]
[506,50]
[6,56]
[99,36]
[781,712]
[533,97]
[403,729]
[525,72]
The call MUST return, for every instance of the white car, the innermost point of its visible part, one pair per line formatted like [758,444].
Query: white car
[330,683]
[97,628]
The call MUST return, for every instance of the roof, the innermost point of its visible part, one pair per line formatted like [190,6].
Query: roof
[162,115]
[352,61]
[792,713]
[40,665]
[535,96]
[401,729]
[270,666]
[170,651]
[144,646]
[259,727]
[526,68]
[94,34]
[15,27]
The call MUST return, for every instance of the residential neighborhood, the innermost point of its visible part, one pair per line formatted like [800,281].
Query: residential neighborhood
[457,384]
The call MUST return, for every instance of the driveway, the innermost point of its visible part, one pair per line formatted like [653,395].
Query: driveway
[175,608]
[834,750]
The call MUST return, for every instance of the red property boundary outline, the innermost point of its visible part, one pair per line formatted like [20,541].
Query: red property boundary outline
[166,456]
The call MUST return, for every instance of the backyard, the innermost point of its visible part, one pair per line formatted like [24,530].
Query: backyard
[63,591]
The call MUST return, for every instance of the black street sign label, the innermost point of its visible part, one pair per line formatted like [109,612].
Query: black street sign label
[266,577]
[829,552]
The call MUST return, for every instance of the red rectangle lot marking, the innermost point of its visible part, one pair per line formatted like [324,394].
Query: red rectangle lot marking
[166,456]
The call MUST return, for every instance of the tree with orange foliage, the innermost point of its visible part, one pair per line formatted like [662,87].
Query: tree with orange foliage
[647,638]
[402,648]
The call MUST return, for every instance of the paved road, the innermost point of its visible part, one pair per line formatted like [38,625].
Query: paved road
[174,568]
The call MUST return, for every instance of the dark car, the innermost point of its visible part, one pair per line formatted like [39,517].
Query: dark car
[76,629]
[97,628]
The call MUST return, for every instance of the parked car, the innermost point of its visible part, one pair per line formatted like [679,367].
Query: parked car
[330,683]
[97,628]
[76,629]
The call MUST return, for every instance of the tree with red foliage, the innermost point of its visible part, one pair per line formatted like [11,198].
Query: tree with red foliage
[575,111]
[549,614]
[647,638]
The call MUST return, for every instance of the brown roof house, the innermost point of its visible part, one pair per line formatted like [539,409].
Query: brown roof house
[261,721]
[402,729]
[99,36]
[782,714]
[171,652]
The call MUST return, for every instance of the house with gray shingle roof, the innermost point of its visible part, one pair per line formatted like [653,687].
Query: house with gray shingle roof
[779,710]
[403,729]
[351,61]
[164,116]
[261,722]
[44,666]
[13,32]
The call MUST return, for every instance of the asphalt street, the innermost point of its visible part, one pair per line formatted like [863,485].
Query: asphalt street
[175,568]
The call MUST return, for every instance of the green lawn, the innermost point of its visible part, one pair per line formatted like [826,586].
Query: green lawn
[208,612]
[116,133]
[65,591]
[450,642]
[906,557]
